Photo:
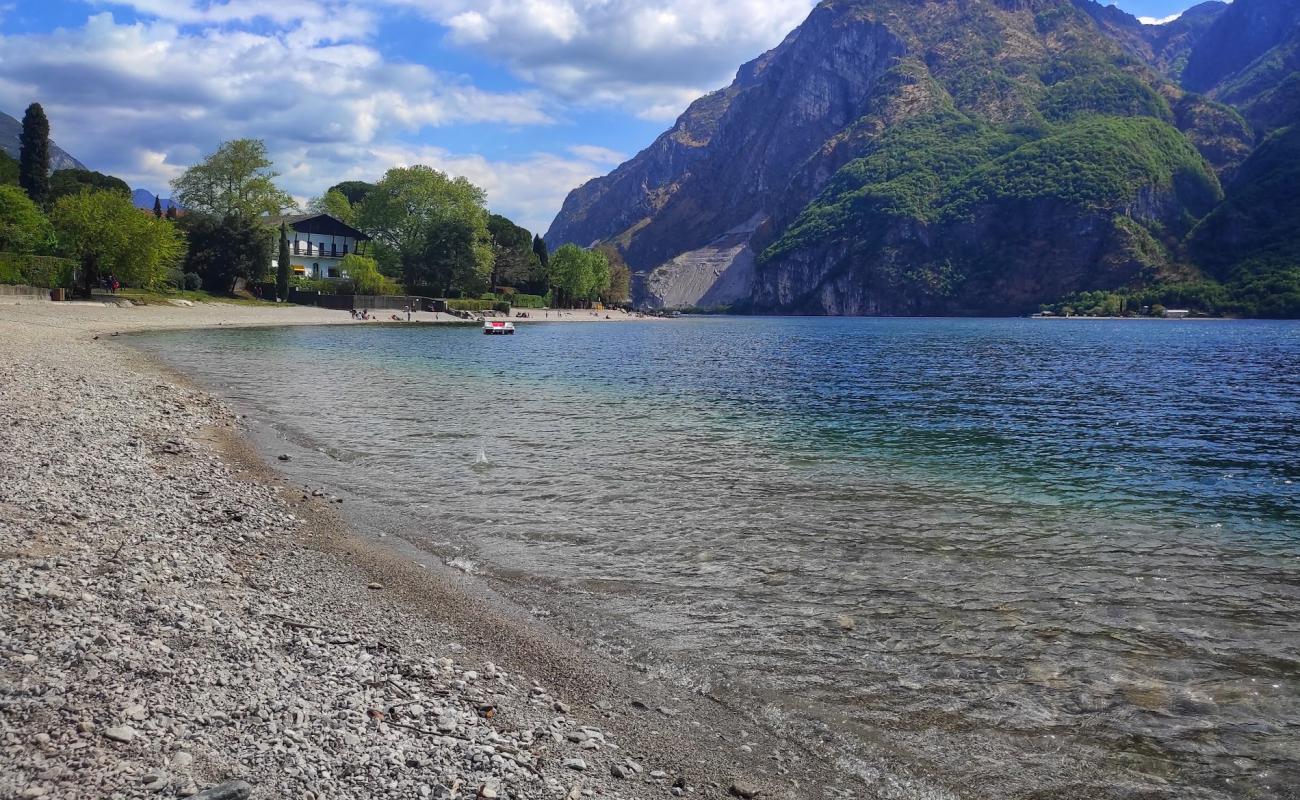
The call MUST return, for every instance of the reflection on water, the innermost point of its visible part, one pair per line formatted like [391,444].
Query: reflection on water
[1003,559]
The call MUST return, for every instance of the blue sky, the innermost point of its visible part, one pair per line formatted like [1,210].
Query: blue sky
[528,98]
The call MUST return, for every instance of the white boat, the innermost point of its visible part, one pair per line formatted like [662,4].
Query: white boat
[498,326]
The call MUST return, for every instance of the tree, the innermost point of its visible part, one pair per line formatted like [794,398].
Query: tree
[23,228]
[34,155]
[354,191]
[74,181]
[619,289]
[237,179]
[225,250]
[514,262]
[420,217]
[171,212]
[578,275]
[157,207]
[282,265]
[365,276]
[107,234]
[8,169]
[451,261]
[539,247]
[336,204]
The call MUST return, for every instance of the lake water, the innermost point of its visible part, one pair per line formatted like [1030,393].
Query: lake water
[978,558]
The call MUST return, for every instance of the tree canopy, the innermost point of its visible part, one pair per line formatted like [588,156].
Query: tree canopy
[354,191]
[434,226]
[107,234]
[8,169]
[34,155]
[365,276]
[23,228]
[224,250]
[72,181]
[578,275]
[514,262]
[237,179]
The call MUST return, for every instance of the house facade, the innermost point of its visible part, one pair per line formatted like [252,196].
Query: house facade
[317,244]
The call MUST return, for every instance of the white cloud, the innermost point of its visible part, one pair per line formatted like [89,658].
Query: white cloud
[649,58]
[1159,21]
[144,100]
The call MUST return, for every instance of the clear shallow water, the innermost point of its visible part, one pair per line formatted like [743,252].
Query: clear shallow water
[992,558]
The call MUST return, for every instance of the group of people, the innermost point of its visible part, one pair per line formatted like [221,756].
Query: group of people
[111,283]
[364,314]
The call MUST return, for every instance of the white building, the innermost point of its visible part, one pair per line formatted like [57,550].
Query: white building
[317,244]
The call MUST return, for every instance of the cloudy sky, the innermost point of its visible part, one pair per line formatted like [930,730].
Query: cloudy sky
[528,98]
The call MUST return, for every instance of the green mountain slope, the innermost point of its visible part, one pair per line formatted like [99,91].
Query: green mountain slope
[944,157]
[1251,242]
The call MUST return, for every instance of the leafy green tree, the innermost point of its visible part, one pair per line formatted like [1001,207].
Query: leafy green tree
[23,228]
[452,259]
[282,265]
[514,262]
[34,155]
[365,275]
[577,275]
[337,205]
[619,288]
[354,191]
[108,235]
[8,169]
[73,181]
[237,179]
[420,218]
[225,250]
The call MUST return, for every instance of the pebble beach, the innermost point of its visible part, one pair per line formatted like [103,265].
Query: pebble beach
[180,621]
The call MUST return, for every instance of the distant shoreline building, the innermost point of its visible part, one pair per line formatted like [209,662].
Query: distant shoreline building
[317,244]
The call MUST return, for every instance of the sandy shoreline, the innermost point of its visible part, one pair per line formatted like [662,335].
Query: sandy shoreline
[101,318]
[179,616]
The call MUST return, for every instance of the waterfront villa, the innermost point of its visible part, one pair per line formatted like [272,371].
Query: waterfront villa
[317,244]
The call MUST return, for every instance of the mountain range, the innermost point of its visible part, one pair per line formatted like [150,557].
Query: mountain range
[143,198]
[10,134]
[974,157]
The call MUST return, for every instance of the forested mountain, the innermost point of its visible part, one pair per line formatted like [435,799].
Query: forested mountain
[972,157]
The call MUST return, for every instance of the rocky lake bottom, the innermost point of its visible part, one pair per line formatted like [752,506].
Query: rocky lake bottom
[936,548]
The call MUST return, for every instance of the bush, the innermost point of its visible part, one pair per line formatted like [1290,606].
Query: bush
[528,301]
[45,272]
[501,306]
[191,281]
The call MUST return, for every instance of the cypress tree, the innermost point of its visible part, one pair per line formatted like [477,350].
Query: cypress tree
[34,158]
[157,207]
[539,247]
[282,266]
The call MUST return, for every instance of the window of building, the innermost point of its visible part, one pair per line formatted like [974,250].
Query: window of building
[333,273]
[315,270]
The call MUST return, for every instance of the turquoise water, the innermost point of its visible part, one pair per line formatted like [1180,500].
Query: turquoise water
[981,558]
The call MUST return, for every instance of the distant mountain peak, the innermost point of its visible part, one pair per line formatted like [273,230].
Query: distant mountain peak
[143,198]
[10,131]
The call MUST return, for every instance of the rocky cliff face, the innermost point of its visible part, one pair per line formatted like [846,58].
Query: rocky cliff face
[934,156]
[10,132]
